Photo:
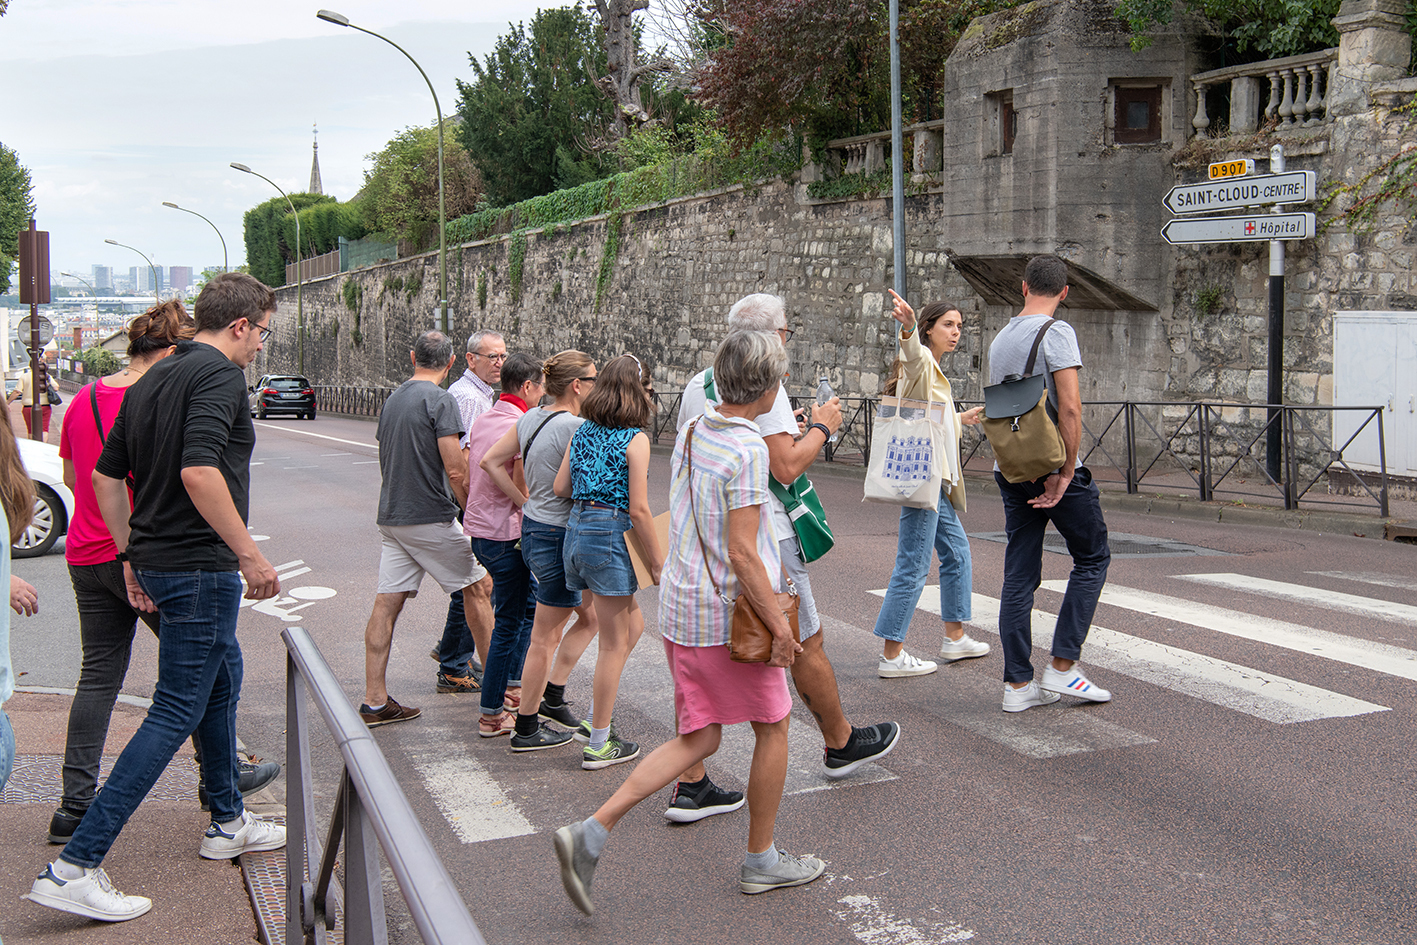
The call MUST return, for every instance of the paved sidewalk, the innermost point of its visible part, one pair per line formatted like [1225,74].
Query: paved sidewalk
[194,900]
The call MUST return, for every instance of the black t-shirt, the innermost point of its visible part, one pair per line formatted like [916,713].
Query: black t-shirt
[190,409]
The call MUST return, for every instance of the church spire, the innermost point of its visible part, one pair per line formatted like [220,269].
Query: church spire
[315,187]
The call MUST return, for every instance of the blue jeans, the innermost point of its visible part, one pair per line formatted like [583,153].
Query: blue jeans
[456,649]
[198,685]
[514,607]
[596,556]
[7,748]
[920,530]
[1078,518]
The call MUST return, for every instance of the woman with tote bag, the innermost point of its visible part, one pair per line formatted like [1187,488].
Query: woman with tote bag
[917,376]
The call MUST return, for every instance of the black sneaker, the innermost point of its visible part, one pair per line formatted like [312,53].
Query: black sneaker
[560,714]
[251,776]
[691,803]
[867,744]
[543,737]
[63,824]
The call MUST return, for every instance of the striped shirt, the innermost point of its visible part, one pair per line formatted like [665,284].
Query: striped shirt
[474,399]
[730,471]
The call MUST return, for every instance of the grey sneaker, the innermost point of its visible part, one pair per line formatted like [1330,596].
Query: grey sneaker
[789,871]
[577,865]
[614,752]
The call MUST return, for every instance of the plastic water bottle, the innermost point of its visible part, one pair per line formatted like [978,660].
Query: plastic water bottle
[824,394]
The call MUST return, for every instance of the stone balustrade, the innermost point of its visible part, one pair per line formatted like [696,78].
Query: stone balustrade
[1295,99]
[869,154]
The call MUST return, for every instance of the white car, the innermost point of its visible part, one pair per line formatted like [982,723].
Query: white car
[53,502]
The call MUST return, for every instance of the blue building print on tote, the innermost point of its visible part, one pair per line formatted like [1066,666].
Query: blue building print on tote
[909,460]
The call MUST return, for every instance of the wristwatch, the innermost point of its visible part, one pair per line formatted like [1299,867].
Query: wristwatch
[122,557]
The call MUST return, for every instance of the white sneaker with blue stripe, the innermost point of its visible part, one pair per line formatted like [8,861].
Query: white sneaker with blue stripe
[253,836]
[1073,683]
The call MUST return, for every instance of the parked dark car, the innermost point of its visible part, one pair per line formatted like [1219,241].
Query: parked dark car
[283,393]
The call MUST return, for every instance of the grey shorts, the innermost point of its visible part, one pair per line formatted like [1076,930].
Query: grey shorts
[808,622]
[439,549]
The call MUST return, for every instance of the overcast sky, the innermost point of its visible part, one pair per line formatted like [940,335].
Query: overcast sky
[118,105]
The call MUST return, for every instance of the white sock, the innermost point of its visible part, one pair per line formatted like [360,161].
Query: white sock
[599,736]
[234,825]
[762,861]
[66,871]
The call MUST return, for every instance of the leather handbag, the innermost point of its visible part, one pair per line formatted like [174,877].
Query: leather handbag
[804,508]
[1020,424]
[54,397]
[749,639]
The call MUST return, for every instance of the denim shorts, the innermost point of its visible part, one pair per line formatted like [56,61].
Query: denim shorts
[596,556]
[543,550]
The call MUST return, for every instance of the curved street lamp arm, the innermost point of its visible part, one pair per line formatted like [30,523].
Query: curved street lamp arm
[224,261]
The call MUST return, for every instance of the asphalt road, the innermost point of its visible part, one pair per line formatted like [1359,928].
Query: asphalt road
[1250,782]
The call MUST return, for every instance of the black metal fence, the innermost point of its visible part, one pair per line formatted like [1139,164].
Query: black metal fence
[371,812]
[1211,448]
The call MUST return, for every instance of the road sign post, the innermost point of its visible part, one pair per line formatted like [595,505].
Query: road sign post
[34,289]
[1276,338]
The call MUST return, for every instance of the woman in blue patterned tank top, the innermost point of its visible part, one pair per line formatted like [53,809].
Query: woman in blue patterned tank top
[606,474]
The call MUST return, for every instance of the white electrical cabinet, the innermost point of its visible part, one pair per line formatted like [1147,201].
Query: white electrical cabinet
[1375,365]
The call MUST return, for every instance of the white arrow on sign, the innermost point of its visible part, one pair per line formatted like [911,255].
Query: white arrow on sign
[1241,229]
[1237,192]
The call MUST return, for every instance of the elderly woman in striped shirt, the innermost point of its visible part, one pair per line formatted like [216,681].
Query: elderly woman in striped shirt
[720,539]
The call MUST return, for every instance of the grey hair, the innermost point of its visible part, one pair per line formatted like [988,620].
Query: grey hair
[432,351]
[748,364]
[758,312]
[474,340]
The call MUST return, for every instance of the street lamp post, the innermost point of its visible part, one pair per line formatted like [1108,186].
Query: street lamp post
[330,16]
[299,283]
[224,266]
[151,268]
[75,275]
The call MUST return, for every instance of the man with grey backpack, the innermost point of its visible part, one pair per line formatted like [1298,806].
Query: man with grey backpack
[1033,343]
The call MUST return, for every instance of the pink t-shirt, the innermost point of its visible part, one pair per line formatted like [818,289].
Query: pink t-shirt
[490,514]
[88,541]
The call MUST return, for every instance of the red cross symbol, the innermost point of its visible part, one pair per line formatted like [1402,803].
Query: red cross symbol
[1249,227]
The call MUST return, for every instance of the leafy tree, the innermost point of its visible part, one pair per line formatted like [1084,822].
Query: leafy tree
[16,210]
[822,68]
[268,250]
[1250,29]
[400,195]
[533,118]
[99,362]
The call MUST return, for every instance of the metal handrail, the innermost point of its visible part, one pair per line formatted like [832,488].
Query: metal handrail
[354,401]
[371,812]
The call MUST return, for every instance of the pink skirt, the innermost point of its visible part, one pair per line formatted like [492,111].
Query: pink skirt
[711,689]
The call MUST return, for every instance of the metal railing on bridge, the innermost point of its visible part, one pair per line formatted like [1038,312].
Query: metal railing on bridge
[355,401]
[371,812]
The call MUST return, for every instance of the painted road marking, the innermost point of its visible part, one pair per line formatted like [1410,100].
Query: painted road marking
[469,798]
[1371,577]
[1332,600]
[1229,685]
[322,436]
[871,923]
[1379,657]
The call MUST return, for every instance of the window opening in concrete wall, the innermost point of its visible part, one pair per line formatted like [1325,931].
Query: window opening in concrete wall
[1138,112]
[1003,122]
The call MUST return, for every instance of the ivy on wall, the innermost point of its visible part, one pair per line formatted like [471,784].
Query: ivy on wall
[1393,182]
[516,259]
[607,261]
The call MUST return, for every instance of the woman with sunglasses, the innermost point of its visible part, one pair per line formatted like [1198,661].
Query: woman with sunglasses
[540,439]
[606,473]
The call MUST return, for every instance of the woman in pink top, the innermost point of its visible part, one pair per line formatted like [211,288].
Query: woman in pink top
[106,620]
[494,523]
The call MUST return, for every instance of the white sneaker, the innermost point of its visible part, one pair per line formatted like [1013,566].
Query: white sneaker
[965,648]
[91,896]
[1016,700]
[253,836]
[905,665]
[1074,683]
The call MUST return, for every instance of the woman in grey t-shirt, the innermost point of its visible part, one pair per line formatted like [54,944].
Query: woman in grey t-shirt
[540,438]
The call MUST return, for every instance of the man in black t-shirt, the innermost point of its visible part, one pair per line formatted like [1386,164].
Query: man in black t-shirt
[185,433]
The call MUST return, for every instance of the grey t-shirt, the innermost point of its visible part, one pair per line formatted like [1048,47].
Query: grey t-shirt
[415,486]
[547,450]
[1059,351]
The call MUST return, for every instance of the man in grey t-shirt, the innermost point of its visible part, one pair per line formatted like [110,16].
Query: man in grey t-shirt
[1067,497]
[420,458]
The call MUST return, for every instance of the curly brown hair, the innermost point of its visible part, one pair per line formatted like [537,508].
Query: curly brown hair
[621,398]
[161,326]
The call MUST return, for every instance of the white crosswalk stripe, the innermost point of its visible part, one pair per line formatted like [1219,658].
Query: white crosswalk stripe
[474,804]
[1379,657]
[1319,597]
[1241,688]
[1371,577]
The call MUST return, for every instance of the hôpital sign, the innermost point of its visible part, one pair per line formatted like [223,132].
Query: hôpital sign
[1239,229]
[1238,192]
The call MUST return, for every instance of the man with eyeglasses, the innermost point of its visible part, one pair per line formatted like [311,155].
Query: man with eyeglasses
[791,451]
[185,434]
[456,653]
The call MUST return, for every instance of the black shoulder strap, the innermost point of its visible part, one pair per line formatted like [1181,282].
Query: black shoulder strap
[532,439]
[1033,352]
[97,420]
